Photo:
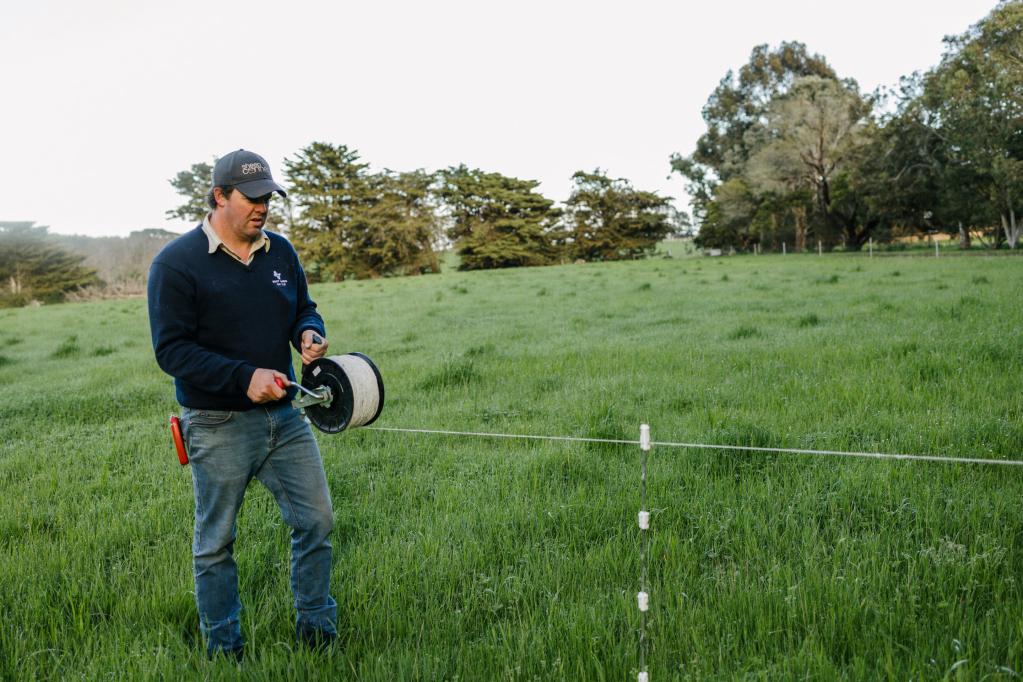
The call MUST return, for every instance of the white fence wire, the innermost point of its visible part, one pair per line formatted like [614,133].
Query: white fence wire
[709,446]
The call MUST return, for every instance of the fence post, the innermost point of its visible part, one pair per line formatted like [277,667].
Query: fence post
[871,247]
[643,597]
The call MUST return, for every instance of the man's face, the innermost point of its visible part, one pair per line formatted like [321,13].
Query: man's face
[243,216]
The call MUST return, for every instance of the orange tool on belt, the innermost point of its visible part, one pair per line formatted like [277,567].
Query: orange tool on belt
[179,442]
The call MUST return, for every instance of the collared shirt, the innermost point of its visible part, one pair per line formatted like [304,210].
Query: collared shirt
[217,243]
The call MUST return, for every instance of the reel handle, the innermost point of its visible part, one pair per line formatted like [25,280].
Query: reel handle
[280,382]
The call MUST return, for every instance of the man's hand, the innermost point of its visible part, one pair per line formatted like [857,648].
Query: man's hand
[310,349]
[263,388]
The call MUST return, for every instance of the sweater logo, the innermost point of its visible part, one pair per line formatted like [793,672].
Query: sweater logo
[278,281]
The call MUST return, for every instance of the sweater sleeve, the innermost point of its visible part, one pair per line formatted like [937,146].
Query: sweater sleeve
[173,323]
[307,316]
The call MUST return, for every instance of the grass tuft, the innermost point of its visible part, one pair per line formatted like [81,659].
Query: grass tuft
[809,320]
[68,348]
[452,374]
[743,332]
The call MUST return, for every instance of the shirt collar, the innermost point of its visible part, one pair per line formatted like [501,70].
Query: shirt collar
[216,242]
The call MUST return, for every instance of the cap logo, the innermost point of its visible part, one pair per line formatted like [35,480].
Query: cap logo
[250,168]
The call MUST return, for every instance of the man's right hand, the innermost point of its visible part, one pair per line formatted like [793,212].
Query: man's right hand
[263,388]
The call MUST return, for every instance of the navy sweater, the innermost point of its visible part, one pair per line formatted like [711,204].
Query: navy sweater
[215,321]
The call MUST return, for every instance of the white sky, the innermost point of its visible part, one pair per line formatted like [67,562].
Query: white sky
[102,102]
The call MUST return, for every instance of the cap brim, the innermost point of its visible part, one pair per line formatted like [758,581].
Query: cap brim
[259,188]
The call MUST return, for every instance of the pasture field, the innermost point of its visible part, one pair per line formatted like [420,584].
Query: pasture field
[481,559]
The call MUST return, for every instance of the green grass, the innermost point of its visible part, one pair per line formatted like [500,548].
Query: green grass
[487,559]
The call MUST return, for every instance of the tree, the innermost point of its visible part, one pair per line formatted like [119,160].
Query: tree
[193,184]
[328,184]
[809,135]
[975,97]
[497,221]
[33,268]
[122,263]
[735,106]
[680,222]
[396,231]
[609,220]
[351,223]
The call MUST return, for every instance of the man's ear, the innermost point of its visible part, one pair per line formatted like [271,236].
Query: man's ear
[218,196]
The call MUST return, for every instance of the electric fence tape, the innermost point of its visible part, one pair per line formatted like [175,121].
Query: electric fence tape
[709,446]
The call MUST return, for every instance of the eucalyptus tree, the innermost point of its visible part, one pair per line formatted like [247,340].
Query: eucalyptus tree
[808,136]
[739,103]
[976,98]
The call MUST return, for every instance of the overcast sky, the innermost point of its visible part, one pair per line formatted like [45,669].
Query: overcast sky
[102,102]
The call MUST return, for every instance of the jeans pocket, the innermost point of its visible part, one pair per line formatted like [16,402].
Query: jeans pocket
[208,417]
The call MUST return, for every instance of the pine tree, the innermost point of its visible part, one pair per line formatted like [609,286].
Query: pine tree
[351,223]
[327,184]
[396,231]
[193,184]
[609,220]
[32,267]
[497,221]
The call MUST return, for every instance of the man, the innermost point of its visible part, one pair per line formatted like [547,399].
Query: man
[225,301]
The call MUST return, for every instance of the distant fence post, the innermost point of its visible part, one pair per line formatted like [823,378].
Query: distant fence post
[871,247]
[783,248]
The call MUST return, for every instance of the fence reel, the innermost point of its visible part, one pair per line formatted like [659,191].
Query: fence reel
[340,392]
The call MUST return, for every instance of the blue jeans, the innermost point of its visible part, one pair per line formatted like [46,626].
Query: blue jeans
[227,449]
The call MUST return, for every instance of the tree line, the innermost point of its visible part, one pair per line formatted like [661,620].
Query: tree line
[793,154]
[349,222]
[36,266]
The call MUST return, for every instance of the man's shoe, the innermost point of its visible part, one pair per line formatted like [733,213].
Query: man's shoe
[234,655]
[316,639]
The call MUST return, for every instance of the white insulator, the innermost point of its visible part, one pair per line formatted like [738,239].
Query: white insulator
[644,436]
[644,601]
[644,520]
[643,677]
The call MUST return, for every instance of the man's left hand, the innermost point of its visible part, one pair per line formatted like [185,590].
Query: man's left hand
[310,349]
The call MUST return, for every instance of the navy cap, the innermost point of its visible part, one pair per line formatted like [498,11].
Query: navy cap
[246,171]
